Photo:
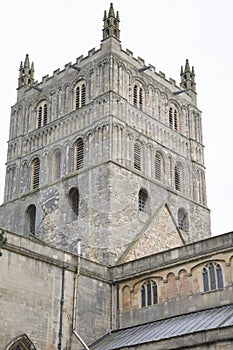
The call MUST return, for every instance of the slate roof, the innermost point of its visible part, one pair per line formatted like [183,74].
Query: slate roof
[171,327]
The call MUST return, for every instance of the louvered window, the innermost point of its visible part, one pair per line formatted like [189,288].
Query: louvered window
[140,98]
[42,118]
[137,156]
[177,178]
[158,166]
[79,154]
[77,98]
[80,96]
[39,117]
[173,118]
[135,95]
[170,118]
[83,97]
[45,115]
[35,173]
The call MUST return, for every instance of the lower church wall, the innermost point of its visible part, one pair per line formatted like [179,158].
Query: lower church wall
[175,307]
[37,289]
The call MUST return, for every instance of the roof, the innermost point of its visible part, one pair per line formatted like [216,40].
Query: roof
[171,327]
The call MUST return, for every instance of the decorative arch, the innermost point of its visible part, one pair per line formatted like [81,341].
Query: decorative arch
[151,91]
[59,102]
[172,291]
[21,342]
[184,287]
[56,164]
[200,186]
[126,298]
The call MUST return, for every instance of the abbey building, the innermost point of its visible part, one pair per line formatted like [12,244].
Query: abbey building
[105,211]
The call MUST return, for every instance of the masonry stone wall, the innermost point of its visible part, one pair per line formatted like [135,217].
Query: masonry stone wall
[108,219]
[31,291]
[37,292]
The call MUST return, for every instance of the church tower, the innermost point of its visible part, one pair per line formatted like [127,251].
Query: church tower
[109,151]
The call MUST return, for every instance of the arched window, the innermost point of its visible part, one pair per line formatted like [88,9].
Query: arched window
[35,173]
[177,177]
[149,293]
[56,169]
[173,118]
[142,200]
[74,202]
[137,156]
[31,219]
[80,95]
[42,113]
[78,154]
[212,277]
[22,342]
[183,222]
[158,166]
[138,96]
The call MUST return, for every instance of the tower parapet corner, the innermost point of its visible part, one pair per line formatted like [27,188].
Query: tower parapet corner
[26,73]
[111,24]
[187,77]
[188,80]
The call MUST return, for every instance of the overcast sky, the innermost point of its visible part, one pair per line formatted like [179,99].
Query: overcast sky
[164,33]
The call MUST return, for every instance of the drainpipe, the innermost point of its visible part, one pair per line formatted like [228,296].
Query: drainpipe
[61,309]
[113,308]
[118,306]
[75,297]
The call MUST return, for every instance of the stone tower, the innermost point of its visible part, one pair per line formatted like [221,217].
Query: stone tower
[109,151]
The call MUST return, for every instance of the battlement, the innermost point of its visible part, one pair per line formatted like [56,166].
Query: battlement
[126,55]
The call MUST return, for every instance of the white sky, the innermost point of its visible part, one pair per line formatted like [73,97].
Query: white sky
[164,33]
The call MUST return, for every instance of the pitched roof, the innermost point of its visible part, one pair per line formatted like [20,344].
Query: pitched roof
[164,329]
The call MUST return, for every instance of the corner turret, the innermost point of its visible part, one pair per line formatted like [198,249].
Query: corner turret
[26,73]
[111,24]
